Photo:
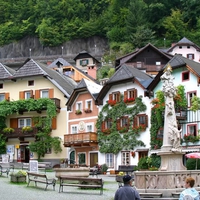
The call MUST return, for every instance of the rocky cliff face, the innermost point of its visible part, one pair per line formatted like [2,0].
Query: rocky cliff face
[31,47]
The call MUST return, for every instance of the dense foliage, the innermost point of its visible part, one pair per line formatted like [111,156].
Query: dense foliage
[113,141]
[130,22]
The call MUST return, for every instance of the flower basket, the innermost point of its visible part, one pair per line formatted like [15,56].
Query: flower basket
[129,100]
[8,130]
[133,154]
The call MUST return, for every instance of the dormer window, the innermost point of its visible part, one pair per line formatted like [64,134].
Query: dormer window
[84,62]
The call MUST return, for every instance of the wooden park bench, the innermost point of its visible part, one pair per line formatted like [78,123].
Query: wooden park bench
[40,178]
[5,168]
[82,182]
[151,195]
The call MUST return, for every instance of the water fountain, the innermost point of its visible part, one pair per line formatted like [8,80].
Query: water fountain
[170,177]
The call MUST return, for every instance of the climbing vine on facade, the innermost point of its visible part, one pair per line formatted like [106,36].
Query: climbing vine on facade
[112,140]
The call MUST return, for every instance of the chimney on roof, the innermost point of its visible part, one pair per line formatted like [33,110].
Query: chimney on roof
[92,70]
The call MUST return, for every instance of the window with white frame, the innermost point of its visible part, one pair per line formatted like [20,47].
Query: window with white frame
[190,56]
[74,129]
[27,94]
[110,159]
[2,97]
[88,104]
[89,127]
[124,121]
[24,122]
[44,93]
[125,157]
[78,105]
[192,129]
[189,97]
[108,123]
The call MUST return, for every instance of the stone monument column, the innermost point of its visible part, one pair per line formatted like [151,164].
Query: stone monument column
[171,152]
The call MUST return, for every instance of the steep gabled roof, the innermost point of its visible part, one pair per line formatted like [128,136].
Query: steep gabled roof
[123,75]
[60,60]
[6,72]
[84,86]
[85,54]
[183,42]
[33,68]
[176,62]
[126,58]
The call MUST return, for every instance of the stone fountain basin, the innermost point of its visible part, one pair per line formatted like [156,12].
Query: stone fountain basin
[77,172]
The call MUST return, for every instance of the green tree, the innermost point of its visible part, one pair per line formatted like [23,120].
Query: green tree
[2,144]
[44,141]
[175,27]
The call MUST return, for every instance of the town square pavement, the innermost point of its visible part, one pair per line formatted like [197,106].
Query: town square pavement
[11,191]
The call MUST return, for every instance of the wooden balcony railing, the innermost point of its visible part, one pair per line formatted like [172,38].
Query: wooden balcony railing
[18,133]
[80,139]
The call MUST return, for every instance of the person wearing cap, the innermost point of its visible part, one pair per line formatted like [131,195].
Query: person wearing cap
[127,192]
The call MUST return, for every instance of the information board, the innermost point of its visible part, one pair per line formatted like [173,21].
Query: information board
[33,166]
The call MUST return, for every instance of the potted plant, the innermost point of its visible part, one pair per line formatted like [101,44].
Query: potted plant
[18,177]
[26,129]
[78,112]
[104,168]
[87,110]
[8,130]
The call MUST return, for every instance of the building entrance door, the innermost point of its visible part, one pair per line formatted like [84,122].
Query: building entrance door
[93,159]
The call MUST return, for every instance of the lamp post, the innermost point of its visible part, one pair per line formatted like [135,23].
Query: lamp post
[30,53]
[164,42]
[62,50]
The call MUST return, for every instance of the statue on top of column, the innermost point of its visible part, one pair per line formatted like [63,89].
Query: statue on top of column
[169,90]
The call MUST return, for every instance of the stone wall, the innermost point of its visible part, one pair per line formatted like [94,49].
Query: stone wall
[31,46]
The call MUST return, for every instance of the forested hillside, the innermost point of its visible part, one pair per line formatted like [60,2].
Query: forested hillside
[126,23]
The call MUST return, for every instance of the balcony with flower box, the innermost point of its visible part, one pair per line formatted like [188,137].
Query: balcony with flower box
[87,110]
[80,139]
[189,139]
[20,133]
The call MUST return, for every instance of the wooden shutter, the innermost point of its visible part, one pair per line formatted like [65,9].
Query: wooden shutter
[125,95]
[103,126]
[118,124]
[54,123]
[118,96]
[51,93]
[31,91]
[14,123]
[135,122]
[135,93]
[22,95]
[146,120]
[7,96]
[110,96]
[37,94]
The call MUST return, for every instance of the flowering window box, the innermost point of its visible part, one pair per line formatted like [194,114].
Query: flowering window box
[129,100]
[78,112]
[112,102]
[88,110]
[106,131]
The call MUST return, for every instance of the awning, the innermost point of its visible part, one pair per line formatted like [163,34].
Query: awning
[142,150]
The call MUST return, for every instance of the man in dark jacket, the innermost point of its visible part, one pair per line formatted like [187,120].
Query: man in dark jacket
[127,192]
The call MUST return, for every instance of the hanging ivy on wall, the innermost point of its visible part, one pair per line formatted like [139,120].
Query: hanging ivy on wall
[44,140]
[114,141]
[157,113]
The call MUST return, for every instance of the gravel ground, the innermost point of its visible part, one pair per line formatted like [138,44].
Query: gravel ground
[10,191]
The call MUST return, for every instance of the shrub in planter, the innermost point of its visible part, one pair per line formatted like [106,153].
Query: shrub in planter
[104,168]
[18,177]
[143,164]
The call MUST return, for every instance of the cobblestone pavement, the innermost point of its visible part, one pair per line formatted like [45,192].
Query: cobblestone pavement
[10,191]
